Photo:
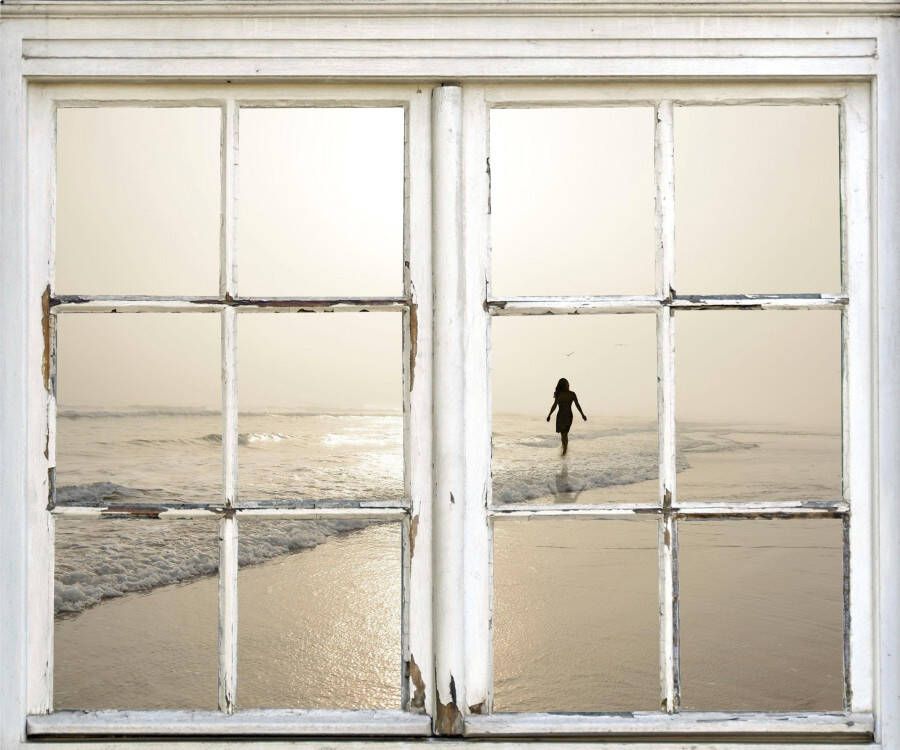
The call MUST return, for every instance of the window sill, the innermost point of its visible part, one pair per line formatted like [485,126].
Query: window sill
[250,723]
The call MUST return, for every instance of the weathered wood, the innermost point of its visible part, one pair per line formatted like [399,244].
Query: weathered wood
[885,360]
[477,422]
[138,304]
[613,510]
[643,304]
[858,400]
[418,665]
[485,48]
[250,723]
[664,171]
[361,512]
[448,498]
[684,726]
[39,407]
[766,509]
[228,613]
[199,9]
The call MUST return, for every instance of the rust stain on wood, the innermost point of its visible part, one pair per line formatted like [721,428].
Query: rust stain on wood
[413,530]
[413,343]
[417,702]
[449,719]
[45,327]
[478,708]
[667,499]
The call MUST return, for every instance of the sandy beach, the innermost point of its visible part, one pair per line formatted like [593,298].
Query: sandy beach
[575,617]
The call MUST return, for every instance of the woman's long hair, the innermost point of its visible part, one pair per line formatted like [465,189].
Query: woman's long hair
[561,387]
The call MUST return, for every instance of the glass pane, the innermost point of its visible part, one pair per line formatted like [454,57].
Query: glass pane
[757,199]
[319,614]
[761,615]
[321,201]
[759,405]
[321,407]
[609,361]
[136,614]
[575,615]
[139,409]
[138,200]
[572,201]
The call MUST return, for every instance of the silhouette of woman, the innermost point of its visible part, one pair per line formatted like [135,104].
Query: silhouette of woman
[564,398]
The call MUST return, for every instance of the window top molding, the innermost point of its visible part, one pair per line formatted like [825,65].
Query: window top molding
[431,8]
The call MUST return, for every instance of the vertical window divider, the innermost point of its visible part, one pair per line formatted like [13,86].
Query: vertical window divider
[228,531]
[664,171]
[448,499]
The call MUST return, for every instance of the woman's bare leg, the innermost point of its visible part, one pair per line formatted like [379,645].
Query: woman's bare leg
[564,436]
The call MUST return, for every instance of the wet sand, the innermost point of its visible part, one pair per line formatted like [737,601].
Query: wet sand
[575,621]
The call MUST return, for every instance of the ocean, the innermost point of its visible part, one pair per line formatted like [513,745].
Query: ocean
[575,609]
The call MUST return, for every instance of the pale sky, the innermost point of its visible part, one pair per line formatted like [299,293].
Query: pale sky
[320,213]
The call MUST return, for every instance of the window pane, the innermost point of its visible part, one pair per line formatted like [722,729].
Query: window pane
[575,615]
[759,405]
[757,199]
[319,614]
[132,428]
[572,201]
[138,200]
[126,635]
[321,201]
[610,363]
[761,615]
[321,406]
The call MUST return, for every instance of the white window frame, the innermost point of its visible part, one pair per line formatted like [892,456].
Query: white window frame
[803,44]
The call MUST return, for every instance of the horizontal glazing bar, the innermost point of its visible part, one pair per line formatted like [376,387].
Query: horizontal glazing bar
[213,723]
[713,509]
[769,509]
[110,304]
[585,511]
[345,512]
[690,726]
[759,302]
[625,304]
[571,305]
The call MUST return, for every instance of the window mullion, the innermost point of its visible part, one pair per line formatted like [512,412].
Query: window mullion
[664,157]
[448,442]
[228,530]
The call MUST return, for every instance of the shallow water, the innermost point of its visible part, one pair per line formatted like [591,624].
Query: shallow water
[575,601]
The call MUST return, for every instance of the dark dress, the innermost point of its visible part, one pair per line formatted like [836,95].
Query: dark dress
[564,415]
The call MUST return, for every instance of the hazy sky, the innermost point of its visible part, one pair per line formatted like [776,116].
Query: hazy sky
[320,213]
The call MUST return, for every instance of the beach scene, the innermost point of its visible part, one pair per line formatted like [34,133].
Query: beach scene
[320,417]
[575,601]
